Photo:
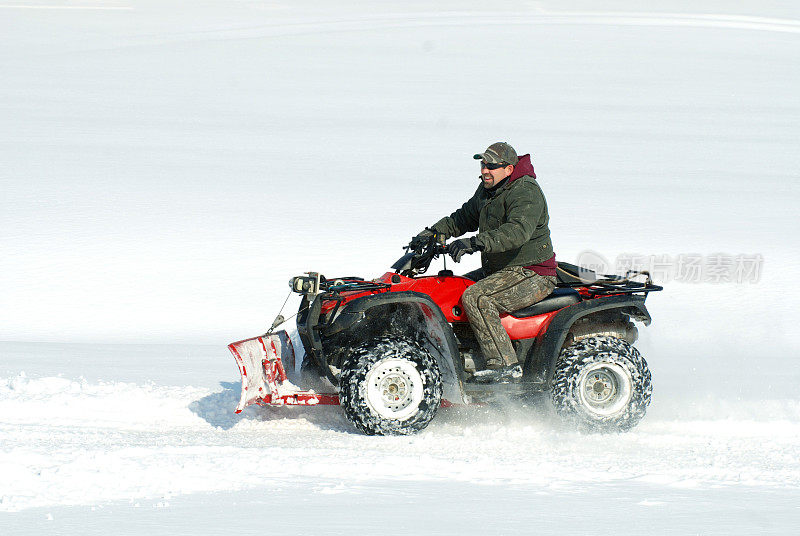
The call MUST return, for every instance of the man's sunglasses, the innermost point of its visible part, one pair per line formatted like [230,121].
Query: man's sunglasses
[491,166]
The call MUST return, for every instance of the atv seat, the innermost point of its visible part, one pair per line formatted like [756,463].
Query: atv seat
[560,298]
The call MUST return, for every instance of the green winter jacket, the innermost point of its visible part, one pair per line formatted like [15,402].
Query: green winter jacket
[511,224]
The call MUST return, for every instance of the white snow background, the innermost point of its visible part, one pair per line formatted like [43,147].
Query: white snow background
[166,166]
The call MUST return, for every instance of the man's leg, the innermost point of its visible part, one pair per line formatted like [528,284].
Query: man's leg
[505,291]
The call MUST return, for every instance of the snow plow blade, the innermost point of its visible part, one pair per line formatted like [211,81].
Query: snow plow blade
[261,362]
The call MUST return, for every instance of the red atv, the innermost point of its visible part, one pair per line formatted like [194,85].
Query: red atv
[394,349]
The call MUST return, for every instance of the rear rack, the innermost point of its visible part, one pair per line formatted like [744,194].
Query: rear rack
[616,285]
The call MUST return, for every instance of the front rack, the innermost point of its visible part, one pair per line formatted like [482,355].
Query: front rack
[336,286]
[332,288]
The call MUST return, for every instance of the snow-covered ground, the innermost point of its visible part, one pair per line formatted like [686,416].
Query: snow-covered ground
[114,453]
[167,166]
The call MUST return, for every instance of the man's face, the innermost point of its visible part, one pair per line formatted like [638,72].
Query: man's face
[492,177]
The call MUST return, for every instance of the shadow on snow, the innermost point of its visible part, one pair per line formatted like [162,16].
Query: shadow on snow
[217,409]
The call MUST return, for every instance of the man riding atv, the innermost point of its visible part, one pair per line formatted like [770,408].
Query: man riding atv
[518,266]
[393,349]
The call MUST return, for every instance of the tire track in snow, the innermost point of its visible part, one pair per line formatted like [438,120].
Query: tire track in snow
[456,19]
[288,26]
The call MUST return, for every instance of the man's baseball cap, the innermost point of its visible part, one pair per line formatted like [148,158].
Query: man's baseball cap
[498,153]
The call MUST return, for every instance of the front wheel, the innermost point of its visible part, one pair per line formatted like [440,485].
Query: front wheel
[603,384]
[390,386]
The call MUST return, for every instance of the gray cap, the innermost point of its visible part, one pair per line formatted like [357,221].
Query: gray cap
[498,153]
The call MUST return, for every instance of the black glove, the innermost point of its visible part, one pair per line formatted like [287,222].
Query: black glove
[459,247]
[421,239]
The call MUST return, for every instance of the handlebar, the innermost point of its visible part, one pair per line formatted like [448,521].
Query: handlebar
[417,260]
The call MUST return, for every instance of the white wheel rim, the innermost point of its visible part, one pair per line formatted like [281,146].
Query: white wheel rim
[394,389]
[604,389]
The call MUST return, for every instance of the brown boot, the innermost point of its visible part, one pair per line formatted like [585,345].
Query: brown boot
[504,373]
[494,364]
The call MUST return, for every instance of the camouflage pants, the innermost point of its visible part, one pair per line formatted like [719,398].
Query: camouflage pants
[505,291]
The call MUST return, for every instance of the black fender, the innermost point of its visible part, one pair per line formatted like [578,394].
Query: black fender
[542,361]
[378,313]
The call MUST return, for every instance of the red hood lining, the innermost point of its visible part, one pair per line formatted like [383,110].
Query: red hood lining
[523,167]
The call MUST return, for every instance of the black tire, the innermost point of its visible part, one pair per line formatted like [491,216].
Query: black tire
[602,384]
[390,386]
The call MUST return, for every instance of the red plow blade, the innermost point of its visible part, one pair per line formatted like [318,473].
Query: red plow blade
[261,362]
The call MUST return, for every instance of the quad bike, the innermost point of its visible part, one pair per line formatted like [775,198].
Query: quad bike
[395,349]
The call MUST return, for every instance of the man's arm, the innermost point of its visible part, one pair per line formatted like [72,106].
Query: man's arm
[523,213]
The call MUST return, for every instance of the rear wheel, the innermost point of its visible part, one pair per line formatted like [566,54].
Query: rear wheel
[603,384]
[390,386]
